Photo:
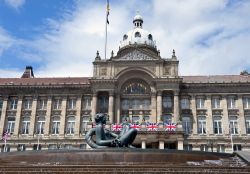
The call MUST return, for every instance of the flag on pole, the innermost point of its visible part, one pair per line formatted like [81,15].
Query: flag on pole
[5,136]
[107,12]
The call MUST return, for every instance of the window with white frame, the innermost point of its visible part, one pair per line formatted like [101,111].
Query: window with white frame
[57,104]
[42,104]
[220,148]
[246,102]
[204,147]
[40,125]
[167,102]
[84,125]
[55,125]
[27,104]
[186,124]
[217,125]
[202,125]
[200,101]
[86,103]
[72,103]
[231,102]
[248,124]
[185,103]
[11,124]
[1,104]
[13,104]
[25,125]
[70,125]
[167,118]
[233,125]
[215,102]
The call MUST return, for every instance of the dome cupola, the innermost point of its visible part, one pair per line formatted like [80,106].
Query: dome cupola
[138,36]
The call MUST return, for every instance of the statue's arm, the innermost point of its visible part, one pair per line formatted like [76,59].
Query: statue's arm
[100,137]
[113,134]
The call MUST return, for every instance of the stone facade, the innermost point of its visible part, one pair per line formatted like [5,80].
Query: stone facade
[212,112]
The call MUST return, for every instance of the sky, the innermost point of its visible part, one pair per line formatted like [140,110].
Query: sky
[59,38]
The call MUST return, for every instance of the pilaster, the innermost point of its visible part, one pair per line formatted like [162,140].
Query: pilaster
[63,116]
[33,116]
[111,107]
[48,117]
[193,108]
[159,106]
[208,106]
[117,108]
[242,123]
[3,115]
[154,116]
[78,115]
[225,123]
[93,106]
[18,116]
[176,107]
[161,144]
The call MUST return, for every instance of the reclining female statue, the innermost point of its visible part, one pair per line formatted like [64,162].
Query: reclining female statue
[104,138]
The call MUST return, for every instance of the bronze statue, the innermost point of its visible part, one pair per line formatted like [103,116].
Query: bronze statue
[104,138]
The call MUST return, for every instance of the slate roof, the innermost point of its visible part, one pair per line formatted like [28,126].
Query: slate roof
[217,79]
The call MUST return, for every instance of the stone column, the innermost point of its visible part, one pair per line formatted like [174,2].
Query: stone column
[225,122]
[143,144]
[78,115]
[161,144]
[93,106]
[3,115]
[159,106]
[242,123]
[33,116]
[111,107]
[18,116]
[176,115]
[180,144]
[48,117]
[209,117]
[63,116]
[154,116]
[193,108]
[117,108]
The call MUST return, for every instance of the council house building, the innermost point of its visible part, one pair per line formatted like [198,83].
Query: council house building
[137,85]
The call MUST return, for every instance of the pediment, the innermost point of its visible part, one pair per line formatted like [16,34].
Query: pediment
[134,56]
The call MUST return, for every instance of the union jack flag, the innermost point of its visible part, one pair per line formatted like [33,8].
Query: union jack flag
[116,127]
[170,126]
[152,126]
[5,136]
[135,126]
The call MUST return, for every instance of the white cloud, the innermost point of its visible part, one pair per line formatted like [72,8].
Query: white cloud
[6,41]
[15,3]
[210,37]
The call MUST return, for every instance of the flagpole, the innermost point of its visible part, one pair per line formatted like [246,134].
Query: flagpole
[106,26]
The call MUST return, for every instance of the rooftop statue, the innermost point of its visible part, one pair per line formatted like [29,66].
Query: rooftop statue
[105,138]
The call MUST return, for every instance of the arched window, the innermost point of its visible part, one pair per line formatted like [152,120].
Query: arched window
[137,34]
[135,88]
[125,37]
[150,37]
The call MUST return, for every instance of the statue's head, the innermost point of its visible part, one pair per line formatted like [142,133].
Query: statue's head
[100,118]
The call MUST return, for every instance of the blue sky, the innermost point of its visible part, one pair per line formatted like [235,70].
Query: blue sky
[61,37]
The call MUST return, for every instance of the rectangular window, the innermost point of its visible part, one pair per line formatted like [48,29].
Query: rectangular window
[185,103]
[200,103]
[204,147]
[216,103]
[188,147]
[1,104]
[57,104]
[72,104]
[11,126]
[40,125]
[42,104]
[233,125]
[87,103]
[186,125]
[25,125]
[70,127]
[221,148]
[231,102]
[217,125]
[13,104]
[27,104]
[202,125]
[246,102]
[237,147]
[84,126]
[248,124]
[167,102]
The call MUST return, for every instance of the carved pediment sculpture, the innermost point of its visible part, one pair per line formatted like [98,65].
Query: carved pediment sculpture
[135,55]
